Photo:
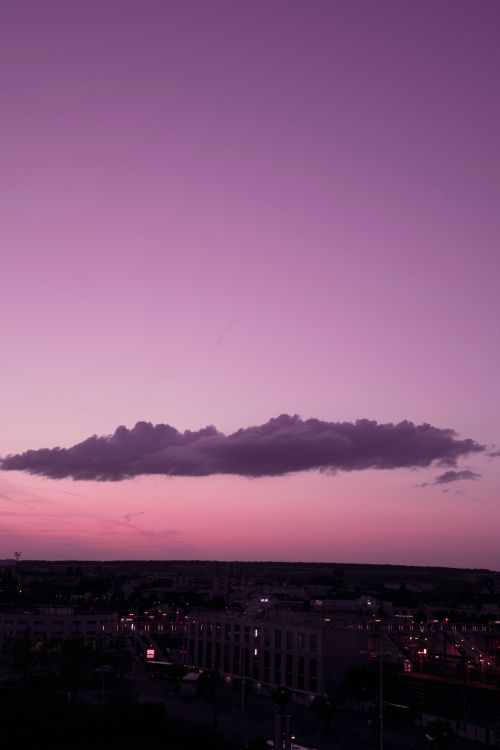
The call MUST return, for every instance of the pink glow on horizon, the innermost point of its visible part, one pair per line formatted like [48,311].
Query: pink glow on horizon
[217,213]
[317,517]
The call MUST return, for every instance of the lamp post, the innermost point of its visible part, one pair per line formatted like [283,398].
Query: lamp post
[380,654]
[282,720]
[381,703]
[421,655]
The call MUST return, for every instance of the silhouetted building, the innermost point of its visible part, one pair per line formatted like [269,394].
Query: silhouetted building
[55,624]
[307,655]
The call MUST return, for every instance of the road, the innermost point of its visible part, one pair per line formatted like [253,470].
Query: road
[350,730]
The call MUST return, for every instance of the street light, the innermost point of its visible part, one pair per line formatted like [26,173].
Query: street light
[421,655]
[381,704]
[380,654]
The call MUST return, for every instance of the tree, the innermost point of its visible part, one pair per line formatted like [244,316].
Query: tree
[282,696]
[120,655]
[420,616]
[359,684]
[75,657]
[325,707]
[210,684]
[439,734]
[23,655]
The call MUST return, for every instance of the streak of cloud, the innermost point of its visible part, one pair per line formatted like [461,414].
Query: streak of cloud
[128,516]
[456,476]
[452,476]
[284,445]
[220,338]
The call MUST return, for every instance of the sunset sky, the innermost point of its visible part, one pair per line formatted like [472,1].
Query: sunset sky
[216,212]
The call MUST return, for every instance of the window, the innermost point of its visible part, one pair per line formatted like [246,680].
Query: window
[277,639]
[277,669]
[246,661]
[267,661]
[288,670]
[300,673]
[289,640]
[313,675]
[256,663]
[313,642]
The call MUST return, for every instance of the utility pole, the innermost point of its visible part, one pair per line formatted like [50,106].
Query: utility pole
[282,720]
[380,655]
[17,555]
[381,704]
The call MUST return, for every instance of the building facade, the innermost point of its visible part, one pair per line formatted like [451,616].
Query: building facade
[55,624]
[308,656]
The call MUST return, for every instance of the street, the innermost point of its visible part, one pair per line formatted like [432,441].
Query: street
[350,730]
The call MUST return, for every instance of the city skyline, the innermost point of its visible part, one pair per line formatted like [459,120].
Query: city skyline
[214,214]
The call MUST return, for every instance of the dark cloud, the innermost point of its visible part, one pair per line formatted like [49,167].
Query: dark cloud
[452,476]
[456,476]
[281,446]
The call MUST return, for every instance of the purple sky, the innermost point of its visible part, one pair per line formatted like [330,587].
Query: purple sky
[214,213]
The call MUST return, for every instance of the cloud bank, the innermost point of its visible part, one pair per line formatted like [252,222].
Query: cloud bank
[281,446]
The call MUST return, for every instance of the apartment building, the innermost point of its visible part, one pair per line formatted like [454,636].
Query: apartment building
[308,655]
[55,624]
